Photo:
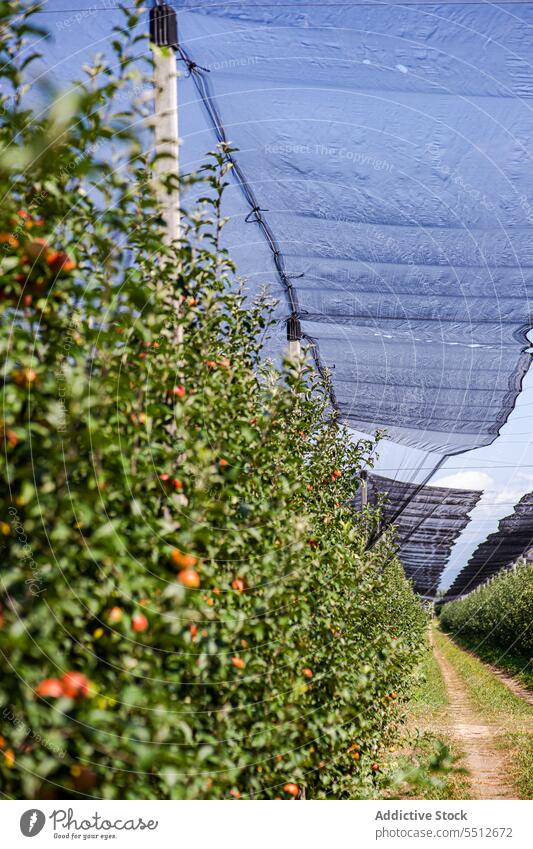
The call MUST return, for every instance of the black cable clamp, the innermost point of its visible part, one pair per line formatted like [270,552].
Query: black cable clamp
[163,25]
[294,328]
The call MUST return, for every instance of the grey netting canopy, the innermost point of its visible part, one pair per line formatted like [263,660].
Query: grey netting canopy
[426,528]
[512,540]
[384,155]
[384,189]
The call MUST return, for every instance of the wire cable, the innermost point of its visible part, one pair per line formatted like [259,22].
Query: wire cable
[368,3]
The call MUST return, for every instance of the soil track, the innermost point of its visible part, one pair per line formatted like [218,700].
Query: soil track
[485,761]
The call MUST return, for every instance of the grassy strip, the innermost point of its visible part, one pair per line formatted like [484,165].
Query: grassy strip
[512,715]
[427,765]
[517,665]
[430,694]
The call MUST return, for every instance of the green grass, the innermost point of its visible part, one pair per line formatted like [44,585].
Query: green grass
[516,665]
[488,693]
[499,705]
[522,745]
[430,690]
[427,765]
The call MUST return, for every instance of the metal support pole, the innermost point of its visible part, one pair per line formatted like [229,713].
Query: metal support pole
[164,36]
[364,489]
[294,335]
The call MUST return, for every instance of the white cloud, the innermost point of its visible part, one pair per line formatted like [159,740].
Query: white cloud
[466,480]
[525,476]
[500,503]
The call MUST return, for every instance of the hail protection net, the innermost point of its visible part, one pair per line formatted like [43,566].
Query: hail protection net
[385,149]
[427,520]
[512,541]
[382,188]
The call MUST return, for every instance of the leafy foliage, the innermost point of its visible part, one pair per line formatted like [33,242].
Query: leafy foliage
[500,611]
[188,606]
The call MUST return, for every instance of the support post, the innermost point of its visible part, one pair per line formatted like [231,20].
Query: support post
[294,335]
[164,36]
[364,489]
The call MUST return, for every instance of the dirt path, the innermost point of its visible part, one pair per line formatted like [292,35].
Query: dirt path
[486,763]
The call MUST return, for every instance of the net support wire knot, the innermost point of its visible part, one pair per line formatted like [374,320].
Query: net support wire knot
[254,216]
